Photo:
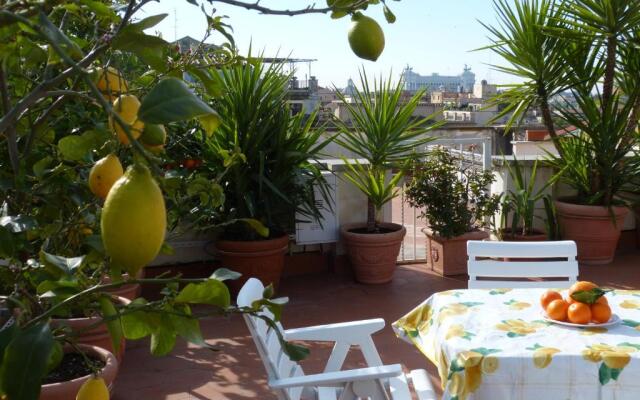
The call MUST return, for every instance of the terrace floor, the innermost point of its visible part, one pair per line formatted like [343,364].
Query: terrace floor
[236,373]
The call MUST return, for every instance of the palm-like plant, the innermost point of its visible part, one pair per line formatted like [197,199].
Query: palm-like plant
[589,49]
[384,133]
[276,175]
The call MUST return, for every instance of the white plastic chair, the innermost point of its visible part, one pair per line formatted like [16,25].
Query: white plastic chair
[288,381]
[523,261]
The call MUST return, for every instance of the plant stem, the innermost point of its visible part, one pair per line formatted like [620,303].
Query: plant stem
[371,216]
[609,72]
[12,140]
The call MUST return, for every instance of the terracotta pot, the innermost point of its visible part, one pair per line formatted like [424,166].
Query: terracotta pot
[96,336]
[129,291]
[536,236]
[449,256]
[373,256]
[68,390]
[262,259]
[593,230]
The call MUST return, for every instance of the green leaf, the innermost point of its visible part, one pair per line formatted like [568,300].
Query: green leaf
[73,148]
[167,249]
[223,274]
[57,353]
[7,333]
[148,48]
[148,22]
[63,264]
[604,374]
[210,122]
[211,291]
[615,373]
[256,226]
[25,362]
[388,15]
[7,248]
[171,100]
[588,296]
[138,324]
[163,339]
[295,351]
[112,320]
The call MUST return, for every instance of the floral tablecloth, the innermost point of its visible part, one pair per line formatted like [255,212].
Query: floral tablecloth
[495,344]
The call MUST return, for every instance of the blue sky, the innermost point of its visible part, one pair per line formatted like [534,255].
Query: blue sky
[429,35]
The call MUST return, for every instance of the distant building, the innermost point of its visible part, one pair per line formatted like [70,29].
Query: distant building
[435,82]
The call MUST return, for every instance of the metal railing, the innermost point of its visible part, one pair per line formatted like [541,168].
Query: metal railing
[475,151]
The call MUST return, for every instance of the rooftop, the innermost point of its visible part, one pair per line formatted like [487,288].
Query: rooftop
[236,372]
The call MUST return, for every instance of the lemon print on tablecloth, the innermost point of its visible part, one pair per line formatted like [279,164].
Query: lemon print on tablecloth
[454,309]
[417,321]
[593,331]
[630,304]
[631,323]
[495,292]
[455,293]
[613,359]
[518,327]
[457,330]
[517,305]
[542,356]
[465,372]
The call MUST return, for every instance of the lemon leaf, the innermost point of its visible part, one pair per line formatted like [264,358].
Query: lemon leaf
[171,100]
[588,296]
[211,291]
[256,226]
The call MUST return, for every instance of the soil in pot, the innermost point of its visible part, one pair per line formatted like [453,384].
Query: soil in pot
[448,256]
[373,256]
[90,334]
[262,259]
[67,389]
[72,366]
[592,228]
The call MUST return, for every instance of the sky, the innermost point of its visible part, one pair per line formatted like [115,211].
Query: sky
[429,35]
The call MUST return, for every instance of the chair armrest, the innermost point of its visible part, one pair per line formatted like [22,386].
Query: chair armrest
[338,378]
[351,332]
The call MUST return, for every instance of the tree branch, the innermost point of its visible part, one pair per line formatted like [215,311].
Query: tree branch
[12,139]
[311,9]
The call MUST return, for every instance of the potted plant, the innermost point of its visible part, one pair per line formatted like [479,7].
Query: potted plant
[275,176]
[580,66]
[385,134]
[519,205]
[457,205]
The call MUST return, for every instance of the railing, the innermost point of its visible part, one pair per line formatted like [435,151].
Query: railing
[475,151]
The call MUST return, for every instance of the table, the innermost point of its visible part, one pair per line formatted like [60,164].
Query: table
[495,344]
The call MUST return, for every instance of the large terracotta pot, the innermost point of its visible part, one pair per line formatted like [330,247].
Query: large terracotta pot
[68,390]
[373,256]
[97,336]
[449,256]
[593,230]
[262,259]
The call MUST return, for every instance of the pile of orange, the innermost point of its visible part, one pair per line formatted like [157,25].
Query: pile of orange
[571,310]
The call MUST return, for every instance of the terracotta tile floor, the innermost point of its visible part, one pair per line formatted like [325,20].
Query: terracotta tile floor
[236,373]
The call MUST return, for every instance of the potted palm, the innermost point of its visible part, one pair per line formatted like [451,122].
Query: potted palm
[384,134]
[276,175]
[457,204]
[519,206]
[579,64]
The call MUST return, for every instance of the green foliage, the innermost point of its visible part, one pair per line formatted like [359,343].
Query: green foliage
[383,132]
[456,199]
[580,64]
[519,204]
[275,175]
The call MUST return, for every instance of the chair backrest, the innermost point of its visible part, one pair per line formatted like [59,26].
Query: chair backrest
[519,262]
[275,360]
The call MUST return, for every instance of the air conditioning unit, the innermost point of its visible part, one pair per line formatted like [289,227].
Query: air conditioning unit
[312,232]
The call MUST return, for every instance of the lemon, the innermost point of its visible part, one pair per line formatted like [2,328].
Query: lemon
[110,80]
[153,135]
[104,173]
[93,389]
[366,37]
[490,364]
[616,359]
[126,106]
[542,357]
[134,220]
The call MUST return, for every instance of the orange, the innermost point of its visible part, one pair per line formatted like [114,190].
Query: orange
[549,296]
[602,300]
[581,285]
[600,313]
[579,313]
[557,310]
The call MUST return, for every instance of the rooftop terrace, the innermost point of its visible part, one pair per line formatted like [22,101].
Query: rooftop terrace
[236,372]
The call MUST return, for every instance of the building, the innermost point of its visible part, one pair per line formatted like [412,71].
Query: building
[435,82]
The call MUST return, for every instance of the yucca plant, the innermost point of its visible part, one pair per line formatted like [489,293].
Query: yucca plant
[518,205]
[385,133]
[276,175]
[585,55]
